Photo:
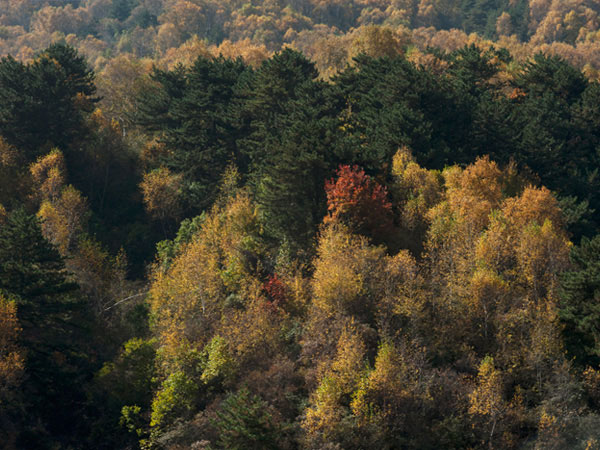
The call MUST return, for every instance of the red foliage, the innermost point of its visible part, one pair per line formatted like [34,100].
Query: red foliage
[276,291]
[358,201]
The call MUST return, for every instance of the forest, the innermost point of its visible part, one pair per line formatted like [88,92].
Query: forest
[299,225]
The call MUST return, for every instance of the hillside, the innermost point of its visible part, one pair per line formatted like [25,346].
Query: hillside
[309,226]
[103,29]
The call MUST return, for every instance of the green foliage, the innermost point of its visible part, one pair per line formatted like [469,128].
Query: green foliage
[193,112]
[244,422]
[130,419]
[56,89]
[129,379]
[291,145]
[580,304]
[54,322]
[554,139]
[219,365]
[167,250]
[122,392]
[176,397]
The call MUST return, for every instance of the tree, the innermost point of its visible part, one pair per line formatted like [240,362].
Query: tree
[56,89]
[554,140]
[357,201]
[487,399]
[11,372]
[291,145]
[580,304]
[244,422]
[192,110]
[128,381]
[326,421]
[49,175]
[391,403]
[346,270]
[222,258]
[52,319]
[377,42]
[161,190]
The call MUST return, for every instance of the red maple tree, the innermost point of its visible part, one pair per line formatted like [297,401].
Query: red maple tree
[358,201]
[276,291]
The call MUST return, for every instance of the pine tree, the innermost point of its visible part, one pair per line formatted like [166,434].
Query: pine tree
[245,423]
[53,325]
[580,304]
[192,112]
[292,145]
[56,90]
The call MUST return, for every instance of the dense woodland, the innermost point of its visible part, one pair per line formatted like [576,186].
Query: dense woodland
[302,225]
[329,32]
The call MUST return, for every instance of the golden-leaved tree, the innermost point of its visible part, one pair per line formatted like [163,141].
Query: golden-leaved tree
[481,297]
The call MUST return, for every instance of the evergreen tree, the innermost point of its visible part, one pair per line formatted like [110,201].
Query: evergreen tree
[245,423]
[281,81]
[391,103]
[56,90]
[556,128]
[292,146]
[53,322]
[192,112]
[580,304]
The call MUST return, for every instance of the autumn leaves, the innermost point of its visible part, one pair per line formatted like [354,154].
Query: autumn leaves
[391,342]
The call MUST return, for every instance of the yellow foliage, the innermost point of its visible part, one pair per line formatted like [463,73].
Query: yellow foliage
[417,189]
[377,42]
[487,292]
[49,173]
[345,266]
[253,334]
[533,205]
[341,379]
[64,219]
[169,37]
[474,192]
[387,395]
[486,399]
[9,155]
[188,300]
[495,247]
[11,360]
[349,362]
[325,414]
[542,253]
[252,54]
[161,193]
[545,348]
[402,292]
[401,160]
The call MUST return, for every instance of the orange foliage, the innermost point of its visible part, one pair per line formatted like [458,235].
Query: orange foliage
[534,205]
